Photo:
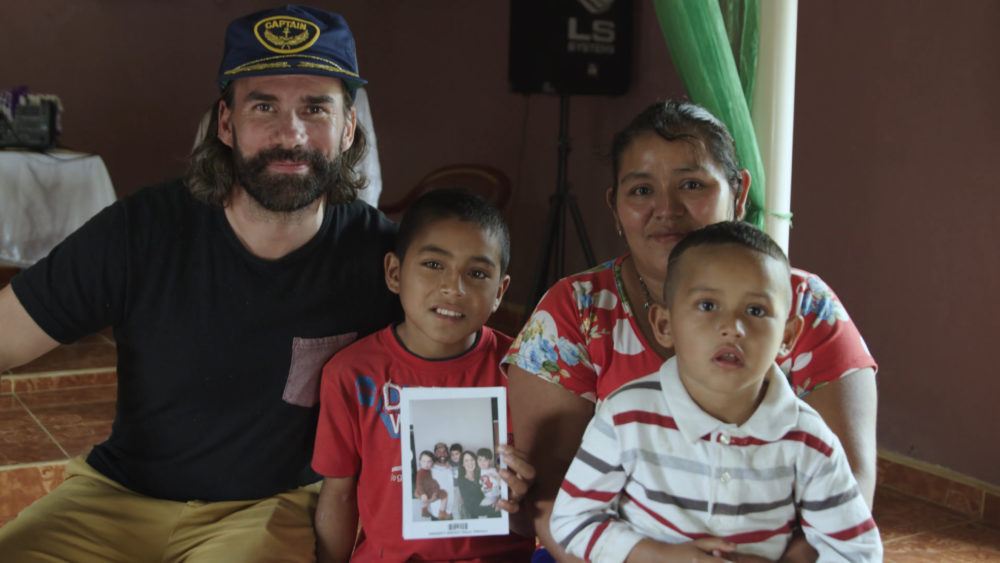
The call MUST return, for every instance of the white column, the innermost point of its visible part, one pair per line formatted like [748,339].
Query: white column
[774,108]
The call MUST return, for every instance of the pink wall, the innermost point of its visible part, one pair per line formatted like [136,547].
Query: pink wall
[895,108]
[895,203]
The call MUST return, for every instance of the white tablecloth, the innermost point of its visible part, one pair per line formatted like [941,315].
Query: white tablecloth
[44,197]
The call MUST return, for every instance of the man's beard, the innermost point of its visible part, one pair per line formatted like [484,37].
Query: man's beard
[284,193]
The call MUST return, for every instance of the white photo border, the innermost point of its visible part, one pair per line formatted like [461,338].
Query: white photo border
[495,399]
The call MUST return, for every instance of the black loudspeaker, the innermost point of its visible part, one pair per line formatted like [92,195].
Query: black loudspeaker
[570,47]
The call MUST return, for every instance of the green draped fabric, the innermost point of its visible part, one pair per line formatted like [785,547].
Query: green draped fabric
[742,19]
[703,53]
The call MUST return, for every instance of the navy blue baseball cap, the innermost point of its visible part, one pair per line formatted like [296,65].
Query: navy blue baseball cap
[290,40]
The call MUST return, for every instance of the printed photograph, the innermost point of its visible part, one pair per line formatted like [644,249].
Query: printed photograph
[451,482]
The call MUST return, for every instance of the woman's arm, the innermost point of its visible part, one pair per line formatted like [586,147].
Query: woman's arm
[849,406]
[838,531]
[337,519]
[548,423]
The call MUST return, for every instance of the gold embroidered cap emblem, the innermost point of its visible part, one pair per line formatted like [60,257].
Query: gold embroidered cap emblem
[286,35]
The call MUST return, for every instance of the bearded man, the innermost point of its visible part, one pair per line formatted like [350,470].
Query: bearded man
[227,291]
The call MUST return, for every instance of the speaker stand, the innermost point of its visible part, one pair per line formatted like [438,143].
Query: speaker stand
[554,243]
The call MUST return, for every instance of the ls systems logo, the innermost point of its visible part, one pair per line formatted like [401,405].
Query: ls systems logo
[594,37]
[597,6]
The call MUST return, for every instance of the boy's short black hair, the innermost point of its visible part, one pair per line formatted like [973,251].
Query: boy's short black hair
[726,232]
[453,203]
[456,447]
[485,452]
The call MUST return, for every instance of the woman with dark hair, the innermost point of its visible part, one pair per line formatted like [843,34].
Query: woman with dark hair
[468,487]
[675,169]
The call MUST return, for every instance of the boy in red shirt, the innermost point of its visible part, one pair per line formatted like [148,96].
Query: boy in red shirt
[450,272]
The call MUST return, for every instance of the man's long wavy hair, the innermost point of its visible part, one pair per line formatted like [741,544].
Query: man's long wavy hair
[210,175]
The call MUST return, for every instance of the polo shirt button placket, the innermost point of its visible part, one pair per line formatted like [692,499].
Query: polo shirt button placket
[725,477]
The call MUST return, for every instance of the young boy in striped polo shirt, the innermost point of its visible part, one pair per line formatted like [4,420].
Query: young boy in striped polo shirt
[713,455]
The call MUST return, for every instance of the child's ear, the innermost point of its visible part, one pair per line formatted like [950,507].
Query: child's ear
[793,328]
[504,284]
[392,267]
[659,319]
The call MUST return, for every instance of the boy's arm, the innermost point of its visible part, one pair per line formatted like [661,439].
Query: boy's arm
[835,518]
[849,407]
[583,521]
[337,519]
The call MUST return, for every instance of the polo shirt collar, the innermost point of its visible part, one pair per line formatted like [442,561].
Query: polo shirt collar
[775,416]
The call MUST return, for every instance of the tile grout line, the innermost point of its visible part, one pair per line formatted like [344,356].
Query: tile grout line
[32,464]
[58,373]
[42,426]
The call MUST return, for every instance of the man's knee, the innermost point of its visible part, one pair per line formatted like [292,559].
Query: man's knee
[53,529]
[88,517]
[278,528]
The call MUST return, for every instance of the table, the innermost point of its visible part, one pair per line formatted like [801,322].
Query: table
[46,196]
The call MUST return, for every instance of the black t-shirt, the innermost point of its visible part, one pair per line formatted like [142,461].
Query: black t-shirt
[219,351]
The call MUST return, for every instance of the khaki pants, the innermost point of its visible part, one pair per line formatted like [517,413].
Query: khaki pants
[92,518]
